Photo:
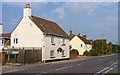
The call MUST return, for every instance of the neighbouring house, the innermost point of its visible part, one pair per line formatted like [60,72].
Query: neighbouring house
[101,41]
[79,43]
[4,44]
[37,32]
[4,39]
[100,44]
[1,41]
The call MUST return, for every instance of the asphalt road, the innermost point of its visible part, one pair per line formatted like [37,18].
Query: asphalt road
[93,66]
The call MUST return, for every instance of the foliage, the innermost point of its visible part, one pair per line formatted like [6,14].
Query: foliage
[92,52]
[102,49]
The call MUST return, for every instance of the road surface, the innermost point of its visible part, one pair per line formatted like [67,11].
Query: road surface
[94,66]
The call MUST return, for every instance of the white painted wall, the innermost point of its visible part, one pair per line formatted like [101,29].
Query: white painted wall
[1,45]
[28,34]
[88,47]
[76,44]
[27,12]
[58,44]
[0,29]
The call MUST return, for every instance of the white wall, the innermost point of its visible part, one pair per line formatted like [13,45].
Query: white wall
[1,45]
[28,34]
[0,29]
[27,12]
[58,44]
[76,44]
[88,47]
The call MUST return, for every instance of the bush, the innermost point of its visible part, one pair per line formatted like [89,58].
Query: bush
[86,53]
[92,53]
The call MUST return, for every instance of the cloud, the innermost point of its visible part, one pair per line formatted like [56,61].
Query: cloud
[84,8]
[59,12]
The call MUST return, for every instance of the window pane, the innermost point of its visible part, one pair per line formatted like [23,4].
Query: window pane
[16,40]
[81,45]
[62,52]
[52,40]
[51,53]
[2,41]
[63,41]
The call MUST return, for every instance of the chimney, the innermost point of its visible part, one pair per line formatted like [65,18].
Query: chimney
[78,34]
[84,36]
[70,32]
[0,28]
[27,10]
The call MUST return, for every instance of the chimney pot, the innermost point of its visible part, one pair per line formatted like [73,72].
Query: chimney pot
[27,10]
[84,36]
[70,32]
[27,5]
[78,34]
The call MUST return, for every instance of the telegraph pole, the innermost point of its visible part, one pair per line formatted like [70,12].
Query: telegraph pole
[102,43]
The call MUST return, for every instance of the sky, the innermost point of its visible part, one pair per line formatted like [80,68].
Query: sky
[93,19]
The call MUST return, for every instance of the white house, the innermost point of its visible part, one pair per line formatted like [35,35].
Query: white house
[4,39]
[80,43]
[1,41]
[35,32]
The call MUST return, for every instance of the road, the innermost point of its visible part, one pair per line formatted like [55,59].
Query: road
[94,66]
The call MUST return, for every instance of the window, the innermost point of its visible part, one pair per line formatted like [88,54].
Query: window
[52,54]
[2,41]
[81,45]
[52,40]
[63,53]
[63,41]
[15,41]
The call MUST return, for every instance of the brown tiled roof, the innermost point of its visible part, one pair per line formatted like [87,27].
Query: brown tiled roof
[71,36]
[6,35]
[48,27]
[84,40]
[101,41]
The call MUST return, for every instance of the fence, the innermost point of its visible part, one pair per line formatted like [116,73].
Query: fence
[24,55]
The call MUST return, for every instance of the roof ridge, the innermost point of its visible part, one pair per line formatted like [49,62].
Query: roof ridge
[43,19]
[49,27]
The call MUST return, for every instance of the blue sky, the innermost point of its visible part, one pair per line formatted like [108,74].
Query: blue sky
[90,18]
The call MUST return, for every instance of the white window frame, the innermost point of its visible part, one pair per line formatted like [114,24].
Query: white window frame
[15,40]
[1,41]
[52,40]
[63,41]
[52,53]
[63,52]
